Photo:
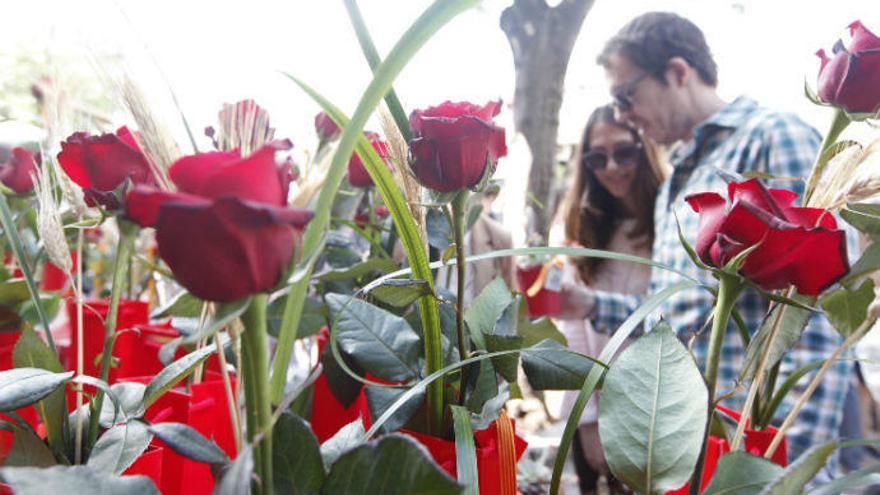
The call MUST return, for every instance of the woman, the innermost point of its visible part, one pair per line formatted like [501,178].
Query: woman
[611,207]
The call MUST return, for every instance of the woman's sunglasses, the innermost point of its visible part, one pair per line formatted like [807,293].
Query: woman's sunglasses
[625,156]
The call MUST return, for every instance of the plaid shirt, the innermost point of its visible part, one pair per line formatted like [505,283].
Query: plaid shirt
[741,137]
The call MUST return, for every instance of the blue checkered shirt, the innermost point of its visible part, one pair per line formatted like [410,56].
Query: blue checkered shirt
[741,137]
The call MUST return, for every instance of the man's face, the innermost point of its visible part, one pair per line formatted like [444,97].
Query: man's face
[643,101]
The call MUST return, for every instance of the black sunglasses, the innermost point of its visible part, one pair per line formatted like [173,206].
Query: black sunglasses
[623,97]
[625,155]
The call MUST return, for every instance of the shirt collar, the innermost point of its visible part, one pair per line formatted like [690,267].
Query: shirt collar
[730,116]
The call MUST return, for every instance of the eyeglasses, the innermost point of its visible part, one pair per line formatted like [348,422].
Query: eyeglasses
[623,97]
[625,155]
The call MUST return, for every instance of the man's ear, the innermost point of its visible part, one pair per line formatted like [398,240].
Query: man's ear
[678,71]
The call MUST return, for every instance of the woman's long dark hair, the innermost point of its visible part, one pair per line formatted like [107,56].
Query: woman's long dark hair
[592,213]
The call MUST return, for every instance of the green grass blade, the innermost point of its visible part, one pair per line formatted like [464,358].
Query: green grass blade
[465,451]
[372,56]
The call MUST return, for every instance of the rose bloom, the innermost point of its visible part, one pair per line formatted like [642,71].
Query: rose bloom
[100,164]
[357,172]
[455,144]
[227,232]
[325,127]
[16,172]
[796,246]
[850,78]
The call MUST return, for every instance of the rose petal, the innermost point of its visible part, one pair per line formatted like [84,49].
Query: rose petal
[225,250]
[143,203]
[104,162]
[713,210]
[16,173]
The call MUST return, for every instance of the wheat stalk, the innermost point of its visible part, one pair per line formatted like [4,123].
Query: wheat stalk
[153,138]
[398,152]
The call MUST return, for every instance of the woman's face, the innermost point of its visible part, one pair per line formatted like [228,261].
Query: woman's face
[614,157]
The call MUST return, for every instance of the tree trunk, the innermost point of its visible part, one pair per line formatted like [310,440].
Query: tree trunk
[541,39]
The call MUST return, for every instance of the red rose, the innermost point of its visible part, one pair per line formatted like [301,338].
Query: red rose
[850,79]
[325,127]
[798,246]
[99,164]
[454,144]
[357,173]
[16,173]
[226,233]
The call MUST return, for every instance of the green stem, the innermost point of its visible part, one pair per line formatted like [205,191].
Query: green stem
[255,348]
[728,290]
[459,206]
[18,250]
[127,232]
[838,124]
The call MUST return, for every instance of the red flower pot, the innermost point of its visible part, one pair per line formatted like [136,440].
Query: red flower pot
[489,461]
[205,408]
[755,442]
[131,313]
[545,302]
[7,346]
[54,278]
[149,464]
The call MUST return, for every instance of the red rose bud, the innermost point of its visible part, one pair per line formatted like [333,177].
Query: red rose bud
[16,174]
[454,144]
[357,173]
[325,127]
[796,246]
[850,78]
[226,233]
[99,164]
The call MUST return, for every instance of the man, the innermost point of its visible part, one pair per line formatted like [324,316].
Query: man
[663,79]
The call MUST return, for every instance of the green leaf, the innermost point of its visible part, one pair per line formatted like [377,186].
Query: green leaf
[347,438]
[847,309]
[296,457]
[485,310]
[119,447]
[394,465]
[13,292]
[790,327]
[382,343]
[864,219]
[401,293]
[127,403]
[740,473]
[226,313]
[868,263]
[868,476]
[28,312]
[380,398]
[465,451]
[237,476]
[359,270]
[174,373]
[538,330]
[187,442]
[29,450]
[795,477]
[314,316]
[31,352]
[654,407]
[182,305]
[74,480]
[507,365]
[783,389]
[692,254]
[485,388]
[555,370]
[22,387]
